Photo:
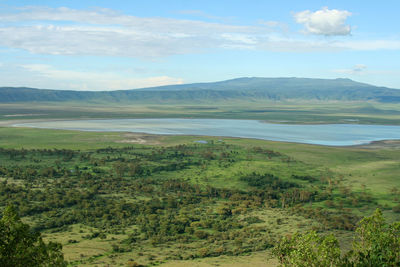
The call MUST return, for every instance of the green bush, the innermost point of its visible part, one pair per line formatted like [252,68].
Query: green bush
[375,244]
[20,246]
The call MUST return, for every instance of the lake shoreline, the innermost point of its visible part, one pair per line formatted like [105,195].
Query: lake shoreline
[10,122]
[336,135]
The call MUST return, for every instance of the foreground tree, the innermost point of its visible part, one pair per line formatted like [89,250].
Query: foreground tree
[375,244]
[20,246]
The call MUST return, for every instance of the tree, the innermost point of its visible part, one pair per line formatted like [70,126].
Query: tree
[375,244]
[20,246]
[119,168]
[309,249]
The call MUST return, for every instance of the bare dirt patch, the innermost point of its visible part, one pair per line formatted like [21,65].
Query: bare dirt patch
[11,122]
[24,115]
[139,138]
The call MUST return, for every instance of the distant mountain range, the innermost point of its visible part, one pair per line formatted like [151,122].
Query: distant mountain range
[237,89]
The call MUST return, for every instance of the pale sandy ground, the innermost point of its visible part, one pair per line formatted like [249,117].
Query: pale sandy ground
[4,123]
[141,138]
[127,137]
[24,115]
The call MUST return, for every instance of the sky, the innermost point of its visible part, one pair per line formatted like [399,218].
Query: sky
[112,45]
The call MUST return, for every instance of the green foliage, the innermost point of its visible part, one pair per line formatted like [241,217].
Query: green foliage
[376,244]
[172,199]
[266,180]
[308,250]
[19,246]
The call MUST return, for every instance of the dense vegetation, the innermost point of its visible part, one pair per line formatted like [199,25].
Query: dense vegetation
[375,244]
[111,202]
[186,201]
[237,89]
[21,247]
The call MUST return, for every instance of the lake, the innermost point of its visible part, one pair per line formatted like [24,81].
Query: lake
[321,134]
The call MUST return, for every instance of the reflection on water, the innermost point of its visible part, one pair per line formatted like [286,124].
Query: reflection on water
[324,134]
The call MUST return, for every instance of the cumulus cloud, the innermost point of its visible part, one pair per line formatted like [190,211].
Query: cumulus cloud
[324,22]
[90,80]
[104,32]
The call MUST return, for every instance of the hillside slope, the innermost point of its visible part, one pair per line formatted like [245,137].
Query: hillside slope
[236,89]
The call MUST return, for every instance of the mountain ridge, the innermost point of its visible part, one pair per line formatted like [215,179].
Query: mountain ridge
[244,88]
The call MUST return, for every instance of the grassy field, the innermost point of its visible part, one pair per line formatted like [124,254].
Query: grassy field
[346,181]
[376,166]
[280,112]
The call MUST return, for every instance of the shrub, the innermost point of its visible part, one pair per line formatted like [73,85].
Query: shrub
[376,244]
[20,246]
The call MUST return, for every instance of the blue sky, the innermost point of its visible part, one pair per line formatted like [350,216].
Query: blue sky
[109,45]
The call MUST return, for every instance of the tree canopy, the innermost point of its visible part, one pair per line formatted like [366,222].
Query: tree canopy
[376,243]
[20,246]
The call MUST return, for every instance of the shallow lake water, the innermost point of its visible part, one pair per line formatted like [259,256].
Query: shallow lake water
[321,134]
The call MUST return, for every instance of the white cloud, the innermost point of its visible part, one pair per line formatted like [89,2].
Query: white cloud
[275,25]
[104,32]
[361,69]
[325,21]
[358,69]
[276,42]
[270,23]
[369,45]
[239,38]
[96,81]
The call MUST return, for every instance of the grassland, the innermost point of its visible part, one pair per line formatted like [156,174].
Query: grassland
[280,112]
[100,175]
[96,193]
